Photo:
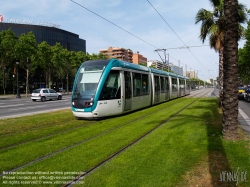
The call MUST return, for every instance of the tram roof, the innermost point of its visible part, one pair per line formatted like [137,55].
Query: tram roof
[128,65]
[159,71]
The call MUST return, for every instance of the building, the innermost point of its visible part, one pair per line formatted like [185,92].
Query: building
[139,59]
[190,74]
[119,53]
[46,32]
[157,64]
[176,69]
[43,31]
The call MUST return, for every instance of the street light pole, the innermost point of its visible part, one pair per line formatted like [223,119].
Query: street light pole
[40,81]
[168,62]
[13,84]
[67,83]
[17,85]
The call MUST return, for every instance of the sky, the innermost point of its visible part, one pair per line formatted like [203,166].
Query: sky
[131,24]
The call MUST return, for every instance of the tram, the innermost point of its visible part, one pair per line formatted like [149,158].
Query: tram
[111,87]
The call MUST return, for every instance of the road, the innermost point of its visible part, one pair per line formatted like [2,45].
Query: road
[244,113]
[13,107]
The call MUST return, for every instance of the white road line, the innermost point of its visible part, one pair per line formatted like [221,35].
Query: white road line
[33,113]
[25,108]
[10,105]
[244,116]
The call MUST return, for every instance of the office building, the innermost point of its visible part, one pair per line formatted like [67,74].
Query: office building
[48,32]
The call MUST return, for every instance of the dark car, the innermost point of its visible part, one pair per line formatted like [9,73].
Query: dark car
[247,94]
[241,92]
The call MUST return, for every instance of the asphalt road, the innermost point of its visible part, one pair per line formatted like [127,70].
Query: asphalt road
[12,107]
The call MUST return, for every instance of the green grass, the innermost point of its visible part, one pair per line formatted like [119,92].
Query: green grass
[163,158]
[167,154]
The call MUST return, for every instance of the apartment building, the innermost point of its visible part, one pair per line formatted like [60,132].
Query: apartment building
[139,59]
[190,74]
[157,64]
[119,53]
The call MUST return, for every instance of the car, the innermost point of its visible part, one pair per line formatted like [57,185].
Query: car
[44,94]
[247,94]
[241,91]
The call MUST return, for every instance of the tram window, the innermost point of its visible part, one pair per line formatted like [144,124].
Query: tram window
[182,83]
[90,80]
[174,84]
[167,84]
[145,84]
[112,87]
[157,84]
[128,88]
[162,85]
[137,84]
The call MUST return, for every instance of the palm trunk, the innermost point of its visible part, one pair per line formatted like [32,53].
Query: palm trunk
[221,50]
[230,71]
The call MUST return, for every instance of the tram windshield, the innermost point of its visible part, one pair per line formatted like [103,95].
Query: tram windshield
[87,82]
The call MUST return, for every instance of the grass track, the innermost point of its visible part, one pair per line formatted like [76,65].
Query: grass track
[165,156]
[117,139]
[161,159]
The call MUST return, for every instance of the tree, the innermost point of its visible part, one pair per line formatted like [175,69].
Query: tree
[26,47]
[244,58]
[213,27]
[44,56]
[230,64]
[58,60]
[8,41]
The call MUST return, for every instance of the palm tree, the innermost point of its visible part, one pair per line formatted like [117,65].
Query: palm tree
[221,30]
[213,27]
[230,64]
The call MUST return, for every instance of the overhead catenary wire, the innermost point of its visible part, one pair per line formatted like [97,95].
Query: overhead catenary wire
[113,23]
[117,26]
[129,31]
[176,33]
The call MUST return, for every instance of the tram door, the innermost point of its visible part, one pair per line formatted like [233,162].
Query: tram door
[128,91]
[157,89]
[167,88]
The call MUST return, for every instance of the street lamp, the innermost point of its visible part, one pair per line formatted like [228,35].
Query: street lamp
[17,85]
[67,84]
[13,84]
[40,81]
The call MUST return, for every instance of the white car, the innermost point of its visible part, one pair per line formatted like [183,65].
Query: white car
[44,94]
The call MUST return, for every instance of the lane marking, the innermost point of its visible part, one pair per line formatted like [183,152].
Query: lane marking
[25,108]
[10,105]
[246,118]
[33,113]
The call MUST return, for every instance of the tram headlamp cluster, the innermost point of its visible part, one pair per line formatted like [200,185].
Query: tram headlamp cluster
[88,103]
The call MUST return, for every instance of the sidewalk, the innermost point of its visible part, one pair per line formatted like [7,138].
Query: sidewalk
[12,96]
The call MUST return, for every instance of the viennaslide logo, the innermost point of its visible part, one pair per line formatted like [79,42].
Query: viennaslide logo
[233,176]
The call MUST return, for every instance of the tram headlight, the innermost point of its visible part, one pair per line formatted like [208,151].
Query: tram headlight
[88,103]
[73,103]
